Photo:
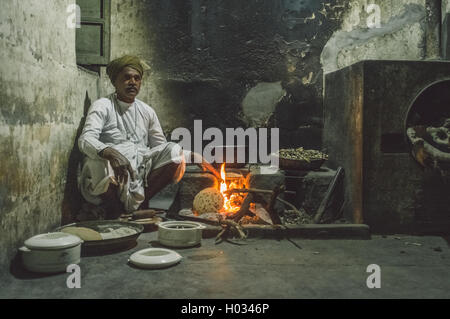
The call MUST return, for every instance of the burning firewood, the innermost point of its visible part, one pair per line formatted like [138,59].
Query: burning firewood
[255,191]
[253,197]
[261,215]
[244,210]
[237,200]
[232,201]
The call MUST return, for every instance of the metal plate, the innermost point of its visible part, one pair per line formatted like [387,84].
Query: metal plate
[107,245]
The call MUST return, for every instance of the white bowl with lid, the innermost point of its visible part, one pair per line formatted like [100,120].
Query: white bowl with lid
[51,252]
[180,233]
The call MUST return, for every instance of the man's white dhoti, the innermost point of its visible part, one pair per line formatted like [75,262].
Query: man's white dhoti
[134,131]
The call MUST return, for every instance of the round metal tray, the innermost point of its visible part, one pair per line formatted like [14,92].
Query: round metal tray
[107,245]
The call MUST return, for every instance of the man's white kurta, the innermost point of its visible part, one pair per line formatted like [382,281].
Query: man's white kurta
[134,131]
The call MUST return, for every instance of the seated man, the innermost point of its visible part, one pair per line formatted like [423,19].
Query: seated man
[128,159]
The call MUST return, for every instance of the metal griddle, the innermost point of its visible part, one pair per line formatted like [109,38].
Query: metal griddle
[106,246]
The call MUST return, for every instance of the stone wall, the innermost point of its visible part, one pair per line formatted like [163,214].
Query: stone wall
[43,95]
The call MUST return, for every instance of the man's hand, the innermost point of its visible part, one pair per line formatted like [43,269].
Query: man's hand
[119,164]
[204,165]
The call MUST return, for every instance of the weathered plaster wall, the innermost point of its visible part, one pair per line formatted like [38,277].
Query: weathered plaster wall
[43,95]
[131,35]
[445,32]
[407,31]
[219,61]
[208,57]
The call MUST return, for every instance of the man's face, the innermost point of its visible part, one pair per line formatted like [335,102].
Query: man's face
[128,84]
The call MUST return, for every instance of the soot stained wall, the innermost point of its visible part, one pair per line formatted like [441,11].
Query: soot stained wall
[206,56]
[211,59]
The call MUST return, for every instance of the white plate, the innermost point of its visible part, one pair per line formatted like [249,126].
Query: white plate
[152,258]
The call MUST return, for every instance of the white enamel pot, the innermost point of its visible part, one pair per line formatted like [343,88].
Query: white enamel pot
[180,233]
[51,252]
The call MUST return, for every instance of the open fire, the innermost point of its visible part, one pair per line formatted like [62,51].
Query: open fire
[232,201]
[232,205]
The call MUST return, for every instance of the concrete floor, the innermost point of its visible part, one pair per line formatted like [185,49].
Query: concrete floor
[411,267]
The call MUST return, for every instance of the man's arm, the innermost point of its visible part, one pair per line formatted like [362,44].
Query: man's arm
[156,137]
[155,133]
[202,163]
[89,142]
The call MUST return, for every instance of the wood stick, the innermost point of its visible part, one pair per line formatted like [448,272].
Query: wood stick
[249,190]
[227,225]
[331,188]
[222,233]
[233,224]
[288,204]
[263,191]
[259,198]
[244,208]
[270,208]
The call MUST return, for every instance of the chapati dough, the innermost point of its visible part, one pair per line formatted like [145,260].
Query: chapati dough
[209,200]
[83,232]
[118,232]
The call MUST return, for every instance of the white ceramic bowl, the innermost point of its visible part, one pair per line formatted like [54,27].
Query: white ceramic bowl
[153,258]
[180,233]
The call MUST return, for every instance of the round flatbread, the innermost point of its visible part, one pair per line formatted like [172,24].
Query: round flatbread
[84,233]
[209,200]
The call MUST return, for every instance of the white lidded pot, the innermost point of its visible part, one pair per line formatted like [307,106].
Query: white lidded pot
[180,233]
[51,252]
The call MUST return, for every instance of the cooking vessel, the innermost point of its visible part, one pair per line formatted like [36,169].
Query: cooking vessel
[51,252]
[180,233]
[94,247]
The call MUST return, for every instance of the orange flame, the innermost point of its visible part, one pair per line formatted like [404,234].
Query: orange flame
[223,185]
[232,202]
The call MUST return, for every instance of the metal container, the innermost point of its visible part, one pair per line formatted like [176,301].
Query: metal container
[180,233]
[51,252]
[96,247]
